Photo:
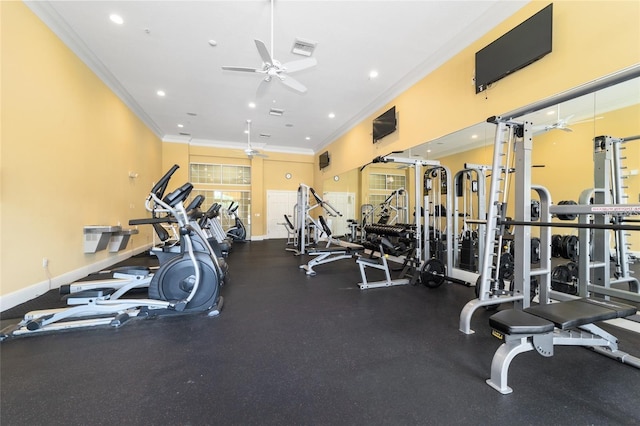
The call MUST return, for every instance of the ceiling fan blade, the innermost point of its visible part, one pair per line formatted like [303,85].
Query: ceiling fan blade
[263,88]
[299,65]
[243,69]
[294,84]
[264,53]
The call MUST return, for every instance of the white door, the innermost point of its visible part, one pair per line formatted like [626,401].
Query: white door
[279,203]
[344,202]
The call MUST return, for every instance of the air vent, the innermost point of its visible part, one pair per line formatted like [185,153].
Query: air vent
[265,135]
[277,112]
[185,134]
[303,47]
[193,114]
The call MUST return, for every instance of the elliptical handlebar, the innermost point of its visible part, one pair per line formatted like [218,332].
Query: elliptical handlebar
[161,186]
[170,203]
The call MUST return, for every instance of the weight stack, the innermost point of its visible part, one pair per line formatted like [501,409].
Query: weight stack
[468,255]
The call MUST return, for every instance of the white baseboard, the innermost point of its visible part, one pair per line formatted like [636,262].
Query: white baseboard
[25,294]
[258,237]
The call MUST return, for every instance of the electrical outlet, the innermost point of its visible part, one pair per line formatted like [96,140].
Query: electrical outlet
[45,262]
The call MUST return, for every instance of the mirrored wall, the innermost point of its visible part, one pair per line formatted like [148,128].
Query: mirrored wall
[562,156]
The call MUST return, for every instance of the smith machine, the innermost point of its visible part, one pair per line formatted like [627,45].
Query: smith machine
[430,258]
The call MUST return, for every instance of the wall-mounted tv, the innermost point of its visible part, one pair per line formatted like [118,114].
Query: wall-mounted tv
[324,160]
[384,125]
[526,43]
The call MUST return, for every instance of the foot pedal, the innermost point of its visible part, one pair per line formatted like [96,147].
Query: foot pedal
[89,296]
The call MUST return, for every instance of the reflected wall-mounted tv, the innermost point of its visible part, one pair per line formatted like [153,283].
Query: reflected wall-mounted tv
[523,45]
[384,125]
[324,160]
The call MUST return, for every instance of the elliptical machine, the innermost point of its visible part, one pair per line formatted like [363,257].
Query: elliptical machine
[187,283]
[237,232]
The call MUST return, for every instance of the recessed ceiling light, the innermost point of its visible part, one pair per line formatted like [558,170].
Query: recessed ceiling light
[116,19]
[246,132]
[160,93]
[474,136]
[308,138]
[181,125]
[213,43]
[428,150]
[332,115]
[373,74]
[551,112]
[252,105]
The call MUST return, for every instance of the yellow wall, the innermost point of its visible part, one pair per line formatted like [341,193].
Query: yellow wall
[590,39]
[68,145]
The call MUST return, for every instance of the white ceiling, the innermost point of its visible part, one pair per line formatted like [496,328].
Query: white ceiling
[164,45]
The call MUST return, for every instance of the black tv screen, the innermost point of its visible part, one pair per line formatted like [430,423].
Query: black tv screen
[384,125]
[526,43]
[324,160]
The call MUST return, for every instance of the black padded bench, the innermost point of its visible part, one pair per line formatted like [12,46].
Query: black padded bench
[541,327]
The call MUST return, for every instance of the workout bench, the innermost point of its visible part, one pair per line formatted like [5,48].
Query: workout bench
[341,250]
[544,326]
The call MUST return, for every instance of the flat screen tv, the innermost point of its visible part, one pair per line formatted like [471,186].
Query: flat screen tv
[324,160]
[523,45]
[384,125]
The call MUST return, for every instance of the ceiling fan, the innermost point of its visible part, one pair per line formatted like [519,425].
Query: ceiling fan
[273,68]
[249,150]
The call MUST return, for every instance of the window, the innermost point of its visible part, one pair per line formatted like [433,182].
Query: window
[206,177]
[380,187]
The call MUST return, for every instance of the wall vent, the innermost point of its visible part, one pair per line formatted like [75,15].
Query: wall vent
[265,135]
[276,111]
[303,47]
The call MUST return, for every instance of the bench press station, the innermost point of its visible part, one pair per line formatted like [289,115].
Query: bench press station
[541,327]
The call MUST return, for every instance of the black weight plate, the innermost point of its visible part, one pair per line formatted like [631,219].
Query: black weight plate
[571,247]
[432,273]
[556,245]
[535,250]
[506,266]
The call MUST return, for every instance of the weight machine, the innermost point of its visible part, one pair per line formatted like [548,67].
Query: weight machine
[432,271]
[304,223]
[394,208]
[594,271]
[469,204]
[540,328]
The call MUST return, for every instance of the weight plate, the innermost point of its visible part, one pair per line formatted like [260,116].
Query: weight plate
[535,250]
[506,266]
[432,273]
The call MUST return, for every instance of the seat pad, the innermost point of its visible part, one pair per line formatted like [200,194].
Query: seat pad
[579,312]
[515,321]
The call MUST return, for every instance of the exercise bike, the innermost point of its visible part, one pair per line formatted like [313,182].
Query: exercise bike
[187,283]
